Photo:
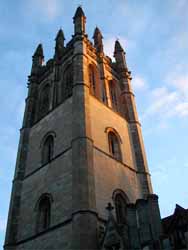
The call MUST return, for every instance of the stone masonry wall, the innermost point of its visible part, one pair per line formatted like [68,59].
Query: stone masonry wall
[111,174]
[58,121]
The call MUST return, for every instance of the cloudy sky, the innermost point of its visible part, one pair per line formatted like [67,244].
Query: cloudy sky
[155,36]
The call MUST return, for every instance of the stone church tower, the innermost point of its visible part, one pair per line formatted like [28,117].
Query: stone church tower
[81,149]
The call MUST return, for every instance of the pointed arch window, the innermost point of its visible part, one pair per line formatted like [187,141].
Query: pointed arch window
[44,213]
[92,80]
[67,82]
[48,149]
[113,95]
[114,145]
[121,208]
[104,98]
[55,96]
[44,103]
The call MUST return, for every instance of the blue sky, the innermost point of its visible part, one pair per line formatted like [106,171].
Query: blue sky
[155,36]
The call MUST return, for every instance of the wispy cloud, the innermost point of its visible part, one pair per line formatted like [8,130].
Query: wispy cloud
[161,102]
[180,82]
[139,83]
[168,101]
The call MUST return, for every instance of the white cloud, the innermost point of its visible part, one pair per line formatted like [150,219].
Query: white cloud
[182,109]
[162,102]
[139,83]
[180,83]
[170,100]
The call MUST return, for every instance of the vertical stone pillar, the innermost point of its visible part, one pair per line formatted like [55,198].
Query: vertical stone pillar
[155,220]
[143,221]
[133,227]
[14,208]
[30,107]
[136,134]
[83,192]
[104,80]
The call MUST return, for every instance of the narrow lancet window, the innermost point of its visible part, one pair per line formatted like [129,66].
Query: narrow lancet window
[92,80]
[55,96]
[114,146]
[47,151]
[44,103]
[67,82]
[113,95]
[44,214]
[121,208]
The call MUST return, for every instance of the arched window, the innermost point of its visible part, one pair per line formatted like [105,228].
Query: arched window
[67,82]
[44,103]
[47,150]
[113,95]
[44,213]
[55,96]
[92,80]
[114,146]
[103,90]
[121,208]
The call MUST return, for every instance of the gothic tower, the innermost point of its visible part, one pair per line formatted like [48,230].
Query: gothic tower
[80,148]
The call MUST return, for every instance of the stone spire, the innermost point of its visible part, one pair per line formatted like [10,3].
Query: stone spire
[97,36]
[59,46]
[38,58]
[79,22]
[119,55]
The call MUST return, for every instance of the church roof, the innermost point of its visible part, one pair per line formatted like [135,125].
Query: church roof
[171,222]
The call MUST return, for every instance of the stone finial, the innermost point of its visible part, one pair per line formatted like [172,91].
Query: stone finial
[119,55]
[60,36]
[38,58]
[97,36]
[79,13]
[118,47]
[97,33]
[59,47]
[79,22]
[39,51]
